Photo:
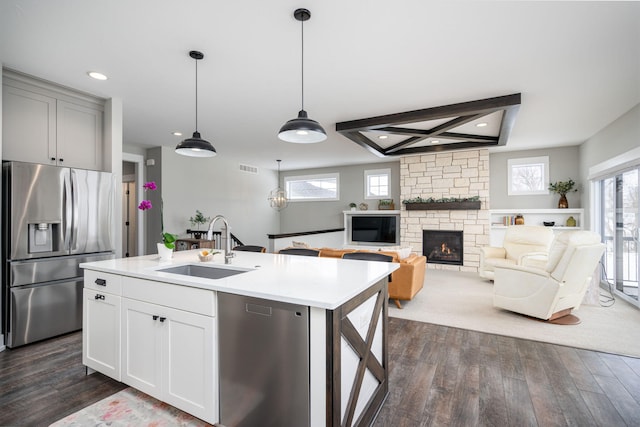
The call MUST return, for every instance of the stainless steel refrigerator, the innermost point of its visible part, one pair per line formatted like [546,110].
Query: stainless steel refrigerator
[53,218]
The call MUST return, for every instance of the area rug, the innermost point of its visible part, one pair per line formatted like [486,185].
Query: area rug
[130,407]
[464,300]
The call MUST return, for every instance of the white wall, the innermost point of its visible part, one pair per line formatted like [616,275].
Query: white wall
[620,136]
[563,164]
[308,216]
[216,186]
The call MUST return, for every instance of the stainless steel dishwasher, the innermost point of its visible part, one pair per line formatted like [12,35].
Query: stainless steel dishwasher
[264,362]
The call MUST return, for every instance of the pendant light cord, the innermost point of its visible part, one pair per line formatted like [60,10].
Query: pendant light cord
[196,94]
[302,62]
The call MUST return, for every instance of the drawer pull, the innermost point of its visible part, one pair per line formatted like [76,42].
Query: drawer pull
[162,319]
[155,317]
[98,296]
[101,282]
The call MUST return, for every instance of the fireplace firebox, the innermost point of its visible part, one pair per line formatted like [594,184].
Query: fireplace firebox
[443,247]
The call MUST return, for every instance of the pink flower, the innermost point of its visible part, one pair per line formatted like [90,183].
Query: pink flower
[144,205]
[151,185]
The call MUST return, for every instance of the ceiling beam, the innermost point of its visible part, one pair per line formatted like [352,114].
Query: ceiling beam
[459,114]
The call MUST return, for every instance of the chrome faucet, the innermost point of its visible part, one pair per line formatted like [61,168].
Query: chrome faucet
[227,237]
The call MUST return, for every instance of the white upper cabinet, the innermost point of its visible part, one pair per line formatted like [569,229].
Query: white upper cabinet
[42,125]
[79,136]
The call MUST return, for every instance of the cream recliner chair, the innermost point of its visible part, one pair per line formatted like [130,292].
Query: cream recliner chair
[523,244]
[551,293]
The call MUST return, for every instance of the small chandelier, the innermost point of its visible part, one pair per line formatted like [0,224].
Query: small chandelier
[278,197]
[196,146]
[302,129]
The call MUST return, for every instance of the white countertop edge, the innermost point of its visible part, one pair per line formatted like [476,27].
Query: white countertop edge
[280,276]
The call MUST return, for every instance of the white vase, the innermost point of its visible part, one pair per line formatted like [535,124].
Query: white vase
[164,252]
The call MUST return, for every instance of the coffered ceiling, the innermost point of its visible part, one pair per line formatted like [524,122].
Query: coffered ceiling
[576,66]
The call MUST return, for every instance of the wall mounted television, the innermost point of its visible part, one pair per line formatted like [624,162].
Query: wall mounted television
[378,230]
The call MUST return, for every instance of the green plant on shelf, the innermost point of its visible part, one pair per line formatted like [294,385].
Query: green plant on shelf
[198,219]
[562,187]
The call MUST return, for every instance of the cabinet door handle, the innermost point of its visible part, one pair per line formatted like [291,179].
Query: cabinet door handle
[162,319]
[53,159]
[155,317]
[61,159]
[98,296]
[101,282]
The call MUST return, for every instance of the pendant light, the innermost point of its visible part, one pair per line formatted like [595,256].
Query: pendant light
[302,129]
[278,197]
[196,146]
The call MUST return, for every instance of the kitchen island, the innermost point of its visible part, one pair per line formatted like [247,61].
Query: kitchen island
[160,327]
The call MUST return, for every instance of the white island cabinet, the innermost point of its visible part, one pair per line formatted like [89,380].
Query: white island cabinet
[157,331]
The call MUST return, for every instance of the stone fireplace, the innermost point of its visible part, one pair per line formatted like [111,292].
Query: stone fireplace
[454,174]
[443,247]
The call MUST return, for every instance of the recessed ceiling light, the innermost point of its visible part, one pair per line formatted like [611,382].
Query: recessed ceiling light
[176,133]
[481,125]
[435,141]
[96,75]
[383,137]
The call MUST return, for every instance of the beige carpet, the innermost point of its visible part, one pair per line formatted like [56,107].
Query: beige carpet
[464,300]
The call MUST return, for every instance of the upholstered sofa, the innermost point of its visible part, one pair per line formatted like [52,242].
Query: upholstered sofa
[523,245]
[405,282]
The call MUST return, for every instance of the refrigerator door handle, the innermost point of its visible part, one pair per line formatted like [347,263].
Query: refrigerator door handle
[67,214]
[74,207]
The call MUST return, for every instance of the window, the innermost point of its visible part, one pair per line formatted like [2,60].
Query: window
[527,176]
[313,187]
[377,184]
[618,221]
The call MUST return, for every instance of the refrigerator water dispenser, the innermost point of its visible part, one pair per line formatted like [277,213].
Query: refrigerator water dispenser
[41,237]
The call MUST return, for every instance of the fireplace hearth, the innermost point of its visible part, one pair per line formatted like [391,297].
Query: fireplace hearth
[443,247]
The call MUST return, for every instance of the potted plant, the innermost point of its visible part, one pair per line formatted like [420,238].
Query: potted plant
[562,188]
[165,249]
[353,206]
[196,221]
[384,204]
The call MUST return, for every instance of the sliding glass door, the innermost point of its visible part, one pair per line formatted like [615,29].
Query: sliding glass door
[619,219]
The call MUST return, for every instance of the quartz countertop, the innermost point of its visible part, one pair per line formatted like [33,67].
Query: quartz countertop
[325,283]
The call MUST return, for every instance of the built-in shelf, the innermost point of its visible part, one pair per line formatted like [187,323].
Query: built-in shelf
[533,217]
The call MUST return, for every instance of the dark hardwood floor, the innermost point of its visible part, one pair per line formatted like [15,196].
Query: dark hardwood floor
[439,376]
[45,381]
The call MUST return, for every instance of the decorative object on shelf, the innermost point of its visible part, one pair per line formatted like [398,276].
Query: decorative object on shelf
[571,222]
[363,206]
[446,203]
[386,204]
[519,219]
[548,223]
[278,197]
[168,239]
[196,221]
[562,188]
[352,206]
[196,146]
[302,129]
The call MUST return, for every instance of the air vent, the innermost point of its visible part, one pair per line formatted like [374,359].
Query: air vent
[249,169]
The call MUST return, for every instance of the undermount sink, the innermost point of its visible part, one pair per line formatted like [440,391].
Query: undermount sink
[201,271]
